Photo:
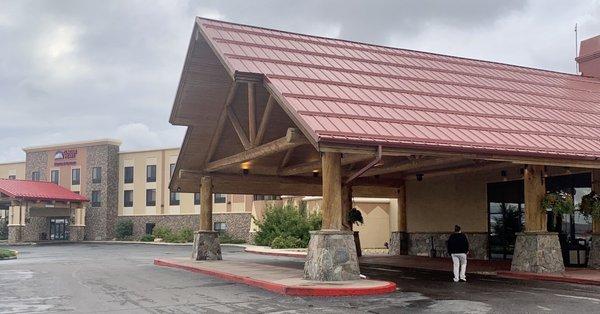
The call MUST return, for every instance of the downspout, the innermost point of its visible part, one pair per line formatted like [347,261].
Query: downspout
[367,167]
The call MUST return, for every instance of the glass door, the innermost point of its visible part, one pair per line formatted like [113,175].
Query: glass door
[59,229]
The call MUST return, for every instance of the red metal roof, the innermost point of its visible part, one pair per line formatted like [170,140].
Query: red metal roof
[348,92]
[38,190]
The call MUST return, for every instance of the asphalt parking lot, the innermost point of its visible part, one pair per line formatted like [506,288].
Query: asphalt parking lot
[117,278]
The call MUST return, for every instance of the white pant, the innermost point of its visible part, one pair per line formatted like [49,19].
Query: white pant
[460,262]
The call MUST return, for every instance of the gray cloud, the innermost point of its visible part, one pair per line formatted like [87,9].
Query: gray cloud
[76,70]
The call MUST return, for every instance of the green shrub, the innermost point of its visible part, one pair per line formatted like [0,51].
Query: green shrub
[147,238]
[287,242]
[286,221]
[124,229]
[184,235]
[162,233]
[5,253]
[227,238]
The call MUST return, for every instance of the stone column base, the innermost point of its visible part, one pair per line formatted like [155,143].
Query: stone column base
[537,252]
[76,233]
[15,234]
[331,256]
[398,243]
[206,246]
[594,259]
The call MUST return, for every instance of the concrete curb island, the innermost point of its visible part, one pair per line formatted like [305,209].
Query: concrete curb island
[285,285]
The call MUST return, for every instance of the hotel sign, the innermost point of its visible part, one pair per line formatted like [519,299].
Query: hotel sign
[65,157]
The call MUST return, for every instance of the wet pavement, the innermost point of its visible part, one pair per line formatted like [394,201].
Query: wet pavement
[118,278]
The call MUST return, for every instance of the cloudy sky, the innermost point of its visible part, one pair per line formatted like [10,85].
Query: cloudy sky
[79,70]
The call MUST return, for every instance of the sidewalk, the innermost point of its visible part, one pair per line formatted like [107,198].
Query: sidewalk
[265,250]
[278,279]
[581,276]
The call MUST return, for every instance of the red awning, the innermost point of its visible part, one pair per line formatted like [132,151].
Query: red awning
[38,190]
[355,93]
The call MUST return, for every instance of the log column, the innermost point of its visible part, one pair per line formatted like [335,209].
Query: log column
[536,249]
[398,244]
[206,241]
[594,258]
[206,204]
[332,251]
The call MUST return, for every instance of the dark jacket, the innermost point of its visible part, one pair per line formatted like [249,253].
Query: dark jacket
[458,243]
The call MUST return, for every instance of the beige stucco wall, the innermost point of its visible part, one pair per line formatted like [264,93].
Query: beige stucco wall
[163,158]
[13,168]
[436,204]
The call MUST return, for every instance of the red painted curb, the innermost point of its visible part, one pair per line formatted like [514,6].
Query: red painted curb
[274,253]
[284,289]
[533,276]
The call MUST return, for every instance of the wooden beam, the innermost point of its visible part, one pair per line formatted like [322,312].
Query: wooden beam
[286,158]
[332,191]
[265,184]
[485,166]
[206,203]
[264,121]
[393,151]
[238,128]
[346,206]
[411,165]
[212,147]
[535,188]
[251,112]
[596,188]
[402,225]
[293,138]
[316,165]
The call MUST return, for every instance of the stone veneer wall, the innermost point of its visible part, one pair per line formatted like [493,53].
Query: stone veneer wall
[238,224]
[35,226]
[420,244]
[37,161]
[100,221]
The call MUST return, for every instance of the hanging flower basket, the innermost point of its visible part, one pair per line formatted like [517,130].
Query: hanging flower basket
[558,203]
[355,217]
[590,205]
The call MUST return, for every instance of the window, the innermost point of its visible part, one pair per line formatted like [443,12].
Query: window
[128,174]
[128,198]
[174,199]
[151,173]
[266,197]
[150,197]
[12,177]
[220,198]
[54,176]
[35,176]
[196,198]
[220,227]
[171,169]
[96,175]
[96,199]
[75,176]
[76,192]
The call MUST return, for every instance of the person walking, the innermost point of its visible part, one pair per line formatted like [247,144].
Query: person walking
[458,248]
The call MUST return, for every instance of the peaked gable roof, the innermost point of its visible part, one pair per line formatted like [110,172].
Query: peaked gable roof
[354,93]
[38,190]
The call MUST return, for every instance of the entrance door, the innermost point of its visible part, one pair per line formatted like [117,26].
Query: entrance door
[58,229]
[505,212]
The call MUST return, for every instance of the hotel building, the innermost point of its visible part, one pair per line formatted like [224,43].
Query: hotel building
[134,185]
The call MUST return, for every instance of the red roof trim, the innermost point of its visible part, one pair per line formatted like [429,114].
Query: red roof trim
[38,190]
